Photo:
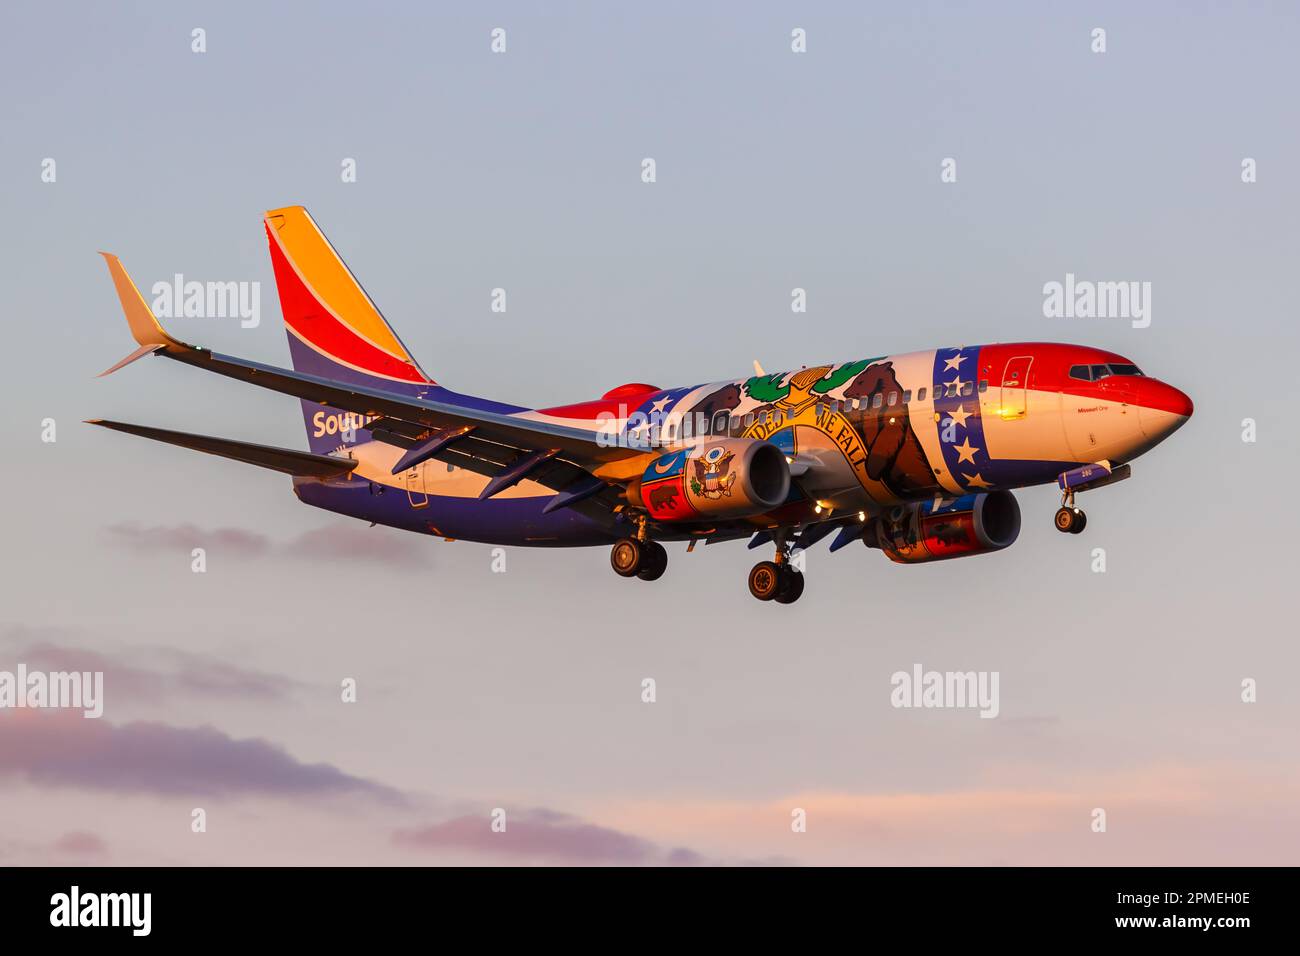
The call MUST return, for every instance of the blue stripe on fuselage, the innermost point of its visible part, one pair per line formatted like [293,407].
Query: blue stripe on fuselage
[516,521]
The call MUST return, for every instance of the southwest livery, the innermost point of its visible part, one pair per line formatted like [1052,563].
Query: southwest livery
[914,455]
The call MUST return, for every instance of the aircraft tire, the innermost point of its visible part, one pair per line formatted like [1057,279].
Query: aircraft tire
[765,580]
[627,557]
[792,588]
[1066,519]
[654,562]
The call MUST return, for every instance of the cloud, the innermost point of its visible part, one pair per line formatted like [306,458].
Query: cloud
[80,843]
[336,542]
[64,749]
[184,537]
[1220,814]
[544,835]
[156,673]
[355,543]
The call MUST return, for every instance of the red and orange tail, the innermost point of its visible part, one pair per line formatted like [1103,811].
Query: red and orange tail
[335,330]
[328,312]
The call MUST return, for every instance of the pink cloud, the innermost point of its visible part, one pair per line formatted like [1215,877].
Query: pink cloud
[348,541]
[1220,814]
[355,542]
[61,748]
[543,835]
[156,673]
[184,537]
[80,843]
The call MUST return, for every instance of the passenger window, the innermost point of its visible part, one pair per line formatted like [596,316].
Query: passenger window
[907,395]
[984,385]
[920,395]
[749,419]
[892,400]
[720,423]
[968,389]
[877,400]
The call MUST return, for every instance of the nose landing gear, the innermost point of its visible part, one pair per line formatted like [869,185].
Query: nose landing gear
[1069,519]
[776,580]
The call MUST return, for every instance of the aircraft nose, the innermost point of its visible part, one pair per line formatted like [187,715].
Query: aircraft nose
[1162,409]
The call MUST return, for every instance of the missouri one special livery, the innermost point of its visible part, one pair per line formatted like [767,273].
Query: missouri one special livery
[915,455]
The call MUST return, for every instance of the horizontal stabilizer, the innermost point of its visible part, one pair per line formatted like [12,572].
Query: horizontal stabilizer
[285,460]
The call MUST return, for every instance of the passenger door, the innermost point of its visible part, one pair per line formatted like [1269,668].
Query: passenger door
[1015,388]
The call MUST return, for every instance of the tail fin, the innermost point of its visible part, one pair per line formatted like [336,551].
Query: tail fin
[335,330]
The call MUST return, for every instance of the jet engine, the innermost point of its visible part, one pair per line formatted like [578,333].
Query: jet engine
[727,478]
[945,528]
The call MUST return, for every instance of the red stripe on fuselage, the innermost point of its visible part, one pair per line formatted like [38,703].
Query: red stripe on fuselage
[1050,372]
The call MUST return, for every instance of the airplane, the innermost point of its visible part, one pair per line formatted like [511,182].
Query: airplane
[915,455]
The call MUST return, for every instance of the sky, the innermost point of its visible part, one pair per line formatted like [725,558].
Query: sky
[479,691]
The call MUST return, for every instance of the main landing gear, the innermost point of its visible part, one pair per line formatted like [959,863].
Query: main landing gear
[776,580]
[638,556]
[1069,519]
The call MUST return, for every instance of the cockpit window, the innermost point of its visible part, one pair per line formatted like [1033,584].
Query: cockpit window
[1095,373]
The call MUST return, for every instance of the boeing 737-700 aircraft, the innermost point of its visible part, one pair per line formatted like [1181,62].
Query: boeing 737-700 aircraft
[915,455]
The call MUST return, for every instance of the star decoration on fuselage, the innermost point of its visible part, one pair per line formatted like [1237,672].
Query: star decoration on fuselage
[959,416]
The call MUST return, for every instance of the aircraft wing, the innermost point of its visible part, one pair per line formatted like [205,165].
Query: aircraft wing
[491,443]
[284,460]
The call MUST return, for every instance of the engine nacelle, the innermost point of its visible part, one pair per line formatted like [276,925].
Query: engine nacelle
[973,524]
[727,478]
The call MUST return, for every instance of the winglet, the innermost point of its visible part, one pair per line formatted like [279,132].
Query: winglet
[139,353]
[148,334]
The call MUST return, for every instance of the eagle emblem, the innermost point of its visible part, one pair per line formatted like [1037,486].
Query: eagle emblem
[713,476]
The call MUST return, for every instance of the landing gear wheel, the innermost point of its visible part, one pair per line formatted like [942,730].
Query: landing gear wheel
[765,580]
[627,557]
[1066,520]
[792,587]
[1080,521]
[654,561]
